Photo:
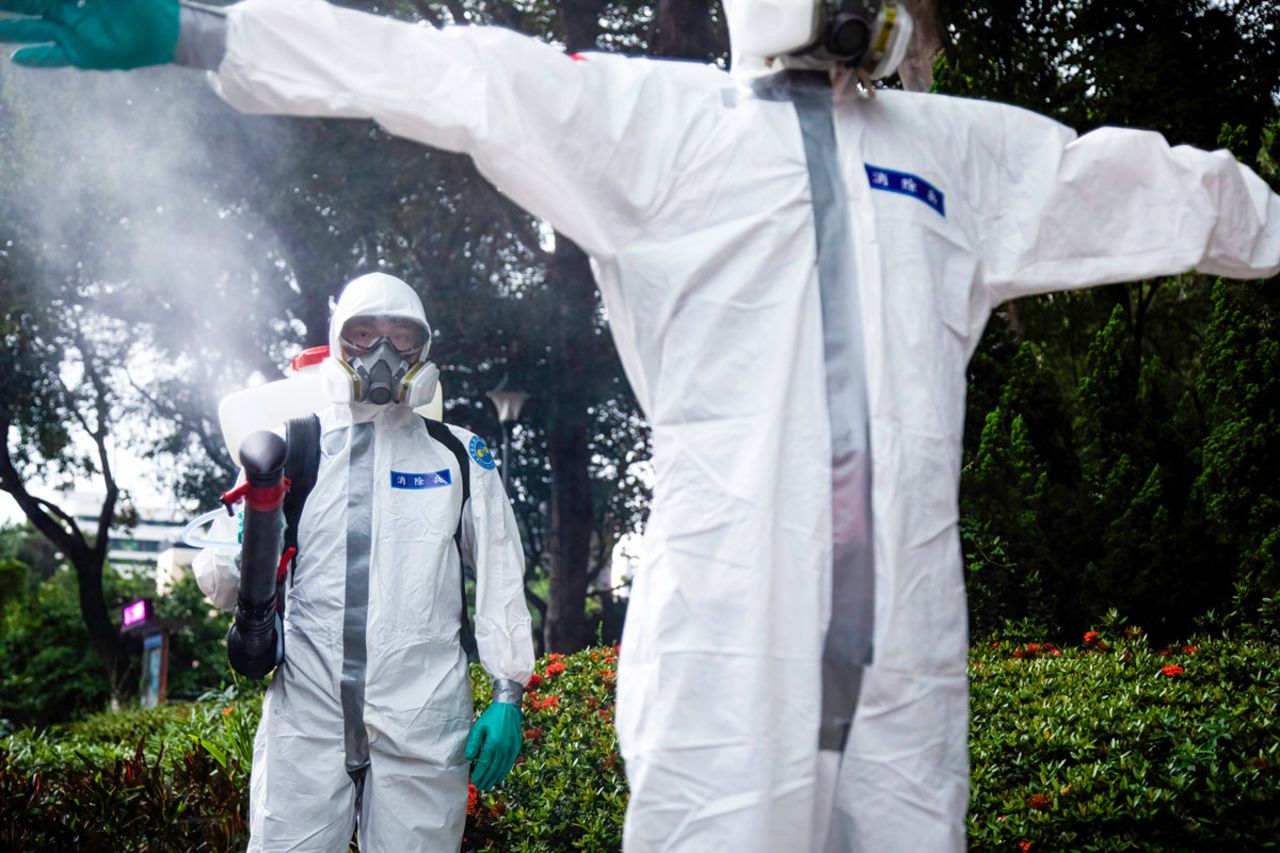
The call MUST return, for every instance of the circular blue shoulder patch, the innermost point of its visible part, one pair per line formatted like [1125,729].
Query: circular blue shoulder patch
[480,452]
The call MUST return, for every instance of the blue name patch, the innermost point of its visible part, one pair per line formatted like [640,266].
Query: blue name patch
[434,480]
[901,182]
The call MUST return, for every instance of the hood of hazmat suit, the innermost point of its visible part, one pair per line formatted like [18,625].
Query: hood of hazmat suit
[381,375]
[796,277]
[370,711]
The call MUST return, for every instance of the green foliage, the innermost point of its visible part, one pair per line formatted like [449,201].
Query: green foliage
[1181,67]
[1114,744]
[197,641]
[48,671]
[1147,486]
[1239,391]
[170,778]
[1087,746]
[1121,442]
[567,790]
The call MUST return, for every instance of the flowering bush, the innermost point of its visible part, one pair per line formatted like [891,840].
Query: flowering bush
[567,790]
[1112,745]
[1091,748]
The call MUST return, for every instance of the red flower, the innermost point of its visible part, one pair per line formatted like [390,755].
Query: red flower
[473,799]
[1090,637]
[543,704]
[608,674]
[1034,648]
[533,734]
[555,656]
[1019,654]
[1039,802]
[1191,650]
[554,669]
[1024,846]
[605,714]
[1172,670]
[535,681]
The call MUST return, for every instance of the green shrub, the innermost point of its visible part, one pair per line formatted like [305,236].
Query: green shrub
[1115,745]
[1106,744]
[174,778]
[567,790]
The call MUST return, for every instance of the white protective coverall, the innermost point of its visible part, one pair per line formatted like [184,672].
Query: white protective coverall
[374,671]
[755,241]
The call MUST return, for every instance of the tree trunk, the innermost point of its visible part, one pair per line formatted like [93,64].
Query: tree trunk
[104,633]
[682,28]
[916,70]
[568,441]
[569,542]
[87,560]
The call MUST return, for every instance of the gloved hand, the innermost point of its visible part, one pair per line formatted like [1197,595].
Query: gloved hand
[96,34]
[495,741]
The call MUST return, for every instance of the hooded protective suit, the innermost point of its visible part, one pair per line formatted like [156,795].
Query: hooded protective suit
[762,247]
[795,278]
[374,674]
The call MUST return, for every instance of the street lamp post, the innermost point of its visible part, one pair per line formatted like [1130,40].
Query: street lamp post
[508,402]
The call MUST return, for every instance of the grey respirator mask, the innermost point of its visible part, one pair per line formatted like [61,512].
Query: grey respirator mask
[380,369]
[381,374]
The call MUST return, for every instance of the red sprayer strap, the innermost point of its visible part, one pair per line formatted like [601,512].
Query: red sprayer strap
[289,554]
[259,498]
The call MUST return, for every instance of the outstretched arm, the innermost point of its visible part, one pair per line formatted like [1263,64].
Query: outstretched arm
[577,142]
[1113,205]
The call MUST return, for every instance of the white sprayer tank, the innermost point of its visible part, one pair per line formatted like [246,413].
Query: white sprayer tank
[268,406]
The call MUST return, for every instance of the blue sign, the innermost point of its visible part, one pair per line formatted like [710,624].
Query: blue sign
[906,184]
[433,480]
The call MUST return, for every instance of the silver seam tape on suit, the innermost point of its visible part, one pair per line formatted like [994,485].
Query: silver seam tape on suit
[356,612]
[848,646]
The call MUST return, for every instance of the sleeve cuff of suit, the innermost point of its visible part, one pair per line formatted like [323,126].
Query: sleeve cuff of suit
[506,690]
[202,36]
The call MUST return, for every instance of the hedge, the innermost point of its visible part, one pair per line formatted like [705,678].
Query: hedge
[1108,743]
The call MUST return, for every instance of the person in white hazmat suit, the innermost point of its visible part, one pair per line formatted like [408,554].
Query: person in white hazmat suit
[796,275]
[370,710]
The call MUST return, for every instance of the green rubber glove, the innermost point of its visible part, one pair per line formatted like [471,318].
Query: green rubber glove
[92,34]
[494,743]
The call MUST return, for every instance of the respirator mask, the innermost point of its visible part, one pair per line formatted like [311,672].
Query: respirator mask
[383,361]
[869,36]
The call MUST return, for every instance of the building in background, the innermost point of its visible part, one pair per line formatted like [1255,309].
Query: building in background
[151,548]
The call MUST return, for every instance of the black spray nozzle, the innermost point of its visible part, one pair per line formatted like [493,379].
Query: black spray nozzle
[262,457]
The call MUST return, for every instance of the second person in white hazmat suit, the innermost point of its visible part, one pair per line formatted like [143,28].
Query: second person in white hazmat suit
[796,276]
[370,710]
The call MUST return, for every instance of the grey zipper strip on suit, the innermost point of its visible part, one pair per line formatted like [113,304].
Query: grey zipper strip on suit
[356,613]
[848,646]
